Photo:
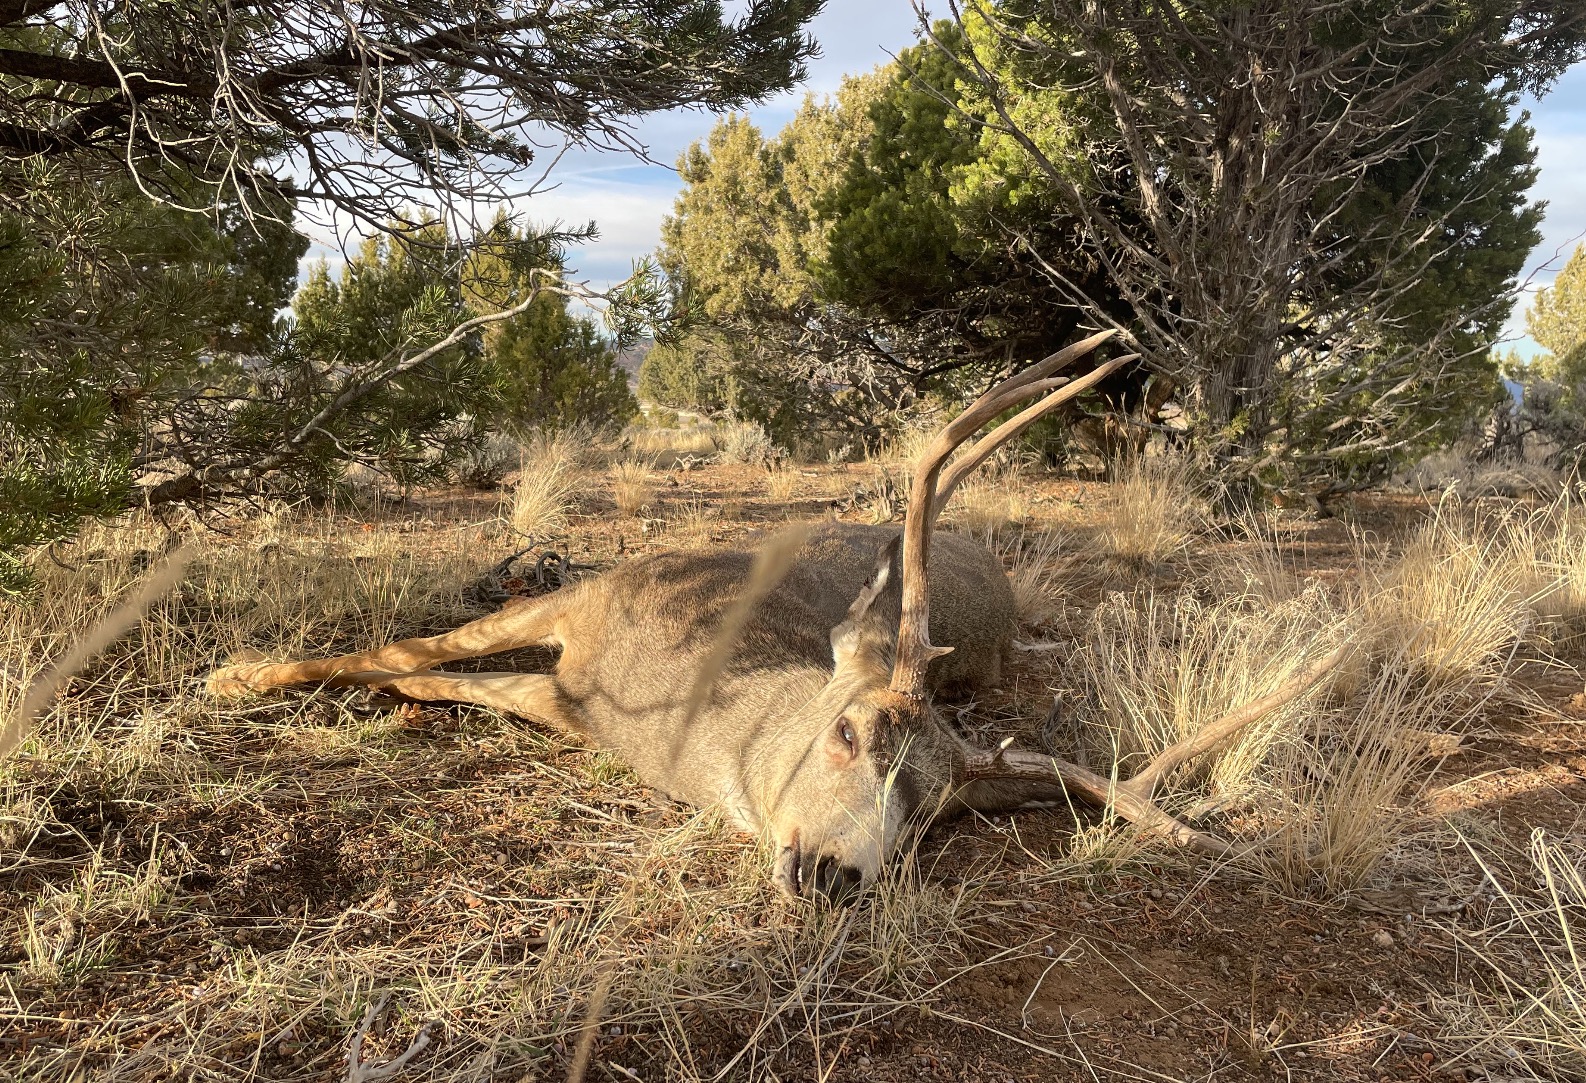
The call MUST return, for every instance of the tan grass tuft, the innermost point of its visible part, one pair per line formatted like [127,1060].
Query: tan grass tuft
[1548,551]
[985,506]
[1161,668]
[1451,604]
[1526,1007]
[1036,577]
[1256,562]
[691,520]
[1152,509]
[781,482]
[667,447]
[631,487]
[1346,788]
[549,480]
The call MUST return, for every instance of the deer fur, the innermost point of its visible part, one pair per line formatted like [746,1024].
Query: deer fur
[767,743]
[821,731]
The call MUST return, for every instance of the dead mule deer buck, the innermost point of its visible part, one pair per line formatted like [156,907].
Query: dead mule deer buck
[819,728]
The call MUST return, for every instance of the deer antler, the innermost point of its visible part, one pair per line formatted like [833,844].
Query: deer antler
[1133,799]
[915,651]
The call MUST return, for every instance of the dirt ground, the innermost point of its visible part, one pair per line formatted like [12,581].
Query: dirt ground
[1052,964]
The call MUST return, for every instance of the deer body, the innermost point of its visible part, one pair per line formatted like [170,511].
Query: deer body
[820,731]
[633,641]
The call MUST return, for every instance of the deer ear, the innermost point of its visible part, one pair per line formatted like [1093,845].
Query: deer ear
[848,636]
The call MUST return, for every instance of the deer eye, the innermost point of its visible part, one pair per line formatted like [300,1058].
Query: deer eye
[846,732]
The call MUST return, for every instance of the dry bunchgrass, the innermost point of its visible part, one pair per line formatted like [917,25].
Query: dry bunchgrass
[550,479]
[1452,604]
[1548,550]
[1037,564]
[1344,791]
[691,520]
[1161,668]
[986,505]
[781,482]
[1521,1014]
[1257,562]
[1153,508]
[904,449]
[631,487]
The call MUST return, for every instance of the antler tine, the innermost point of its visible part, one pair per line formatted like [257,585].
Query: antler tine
[1145,781]
[1066,390]
[914,650]
[1051,363]
[1133,800]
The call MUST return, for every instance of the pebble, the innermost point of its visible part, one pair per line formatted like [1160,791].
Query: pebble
[1383,939]
[1027,906]
[1156,893]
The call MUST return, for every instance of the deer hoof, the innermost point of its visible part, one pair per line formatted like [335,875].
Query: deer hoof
[234,682]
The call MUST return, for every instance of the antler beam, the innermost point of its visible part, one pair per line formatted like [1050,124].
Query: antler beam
[915,651]
[1133,799]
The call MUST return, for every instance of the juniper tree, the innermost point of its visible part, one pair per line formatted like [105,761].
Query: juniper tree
[1331,199]
[383,115]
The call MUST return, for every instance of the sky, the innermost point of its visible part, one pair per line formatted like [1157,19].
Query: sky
[627,197]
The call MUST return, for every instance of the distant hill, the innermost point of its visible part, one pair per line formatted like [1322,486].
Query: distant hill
[630,359]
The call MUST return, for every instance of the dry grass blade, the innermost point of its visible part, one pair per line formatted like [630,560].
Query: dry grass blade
[109,629]
[1036,577]
[1160,670]
[1347,785]
[1548,551]
[631,488]
[771,565]
[781,482]
[1451,604]
[1153,508]
[1530,1013]
[539,503]
[1258,564]
[985,507]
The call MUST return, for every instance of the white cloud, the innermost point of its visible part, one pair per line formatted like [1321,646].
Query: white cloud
[1560,122]
[627,197]
[628,216]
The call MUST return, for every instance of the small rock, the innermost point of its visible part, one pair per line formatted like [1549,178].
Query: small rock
[1027,906]
[1156,893]
[1383,939]
[1050,951]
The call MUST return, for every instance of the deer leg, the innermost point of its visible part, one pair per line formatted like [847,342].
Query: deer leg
[532,695]
[519,626]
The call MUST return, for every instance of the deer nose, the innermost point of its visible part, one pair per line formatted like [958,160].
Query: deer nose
[837,883]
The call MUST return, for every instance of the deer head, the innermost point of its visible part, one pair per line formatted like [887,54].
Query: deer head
[873,758]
